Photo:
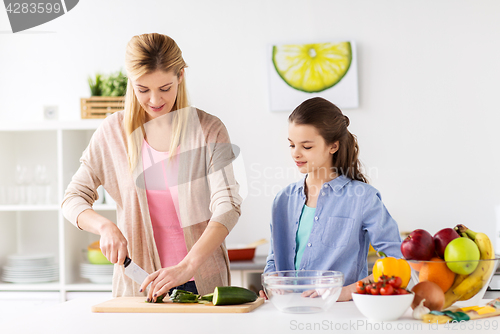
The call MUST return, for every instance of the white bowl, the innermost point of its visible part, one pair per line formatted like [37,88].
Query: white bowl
[382,308]
[303,291]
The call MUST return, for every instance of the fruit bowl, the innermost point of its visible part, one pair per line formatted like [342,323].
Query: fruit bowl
[461,290]
[303,291]
[382,308]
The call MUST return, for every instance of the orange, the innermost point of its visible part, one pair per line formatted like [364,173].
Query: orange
[438,272]
[416,265]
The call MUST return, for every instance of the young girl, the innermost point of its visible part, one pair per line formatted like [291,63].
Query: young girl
[326,220]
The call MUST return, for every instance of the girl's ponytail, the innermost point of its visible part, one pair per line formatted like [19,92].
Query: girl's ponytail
[346,158]
[332,126]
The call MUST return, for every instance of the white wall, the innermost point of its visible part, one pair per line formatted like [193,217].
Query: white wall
[428,82]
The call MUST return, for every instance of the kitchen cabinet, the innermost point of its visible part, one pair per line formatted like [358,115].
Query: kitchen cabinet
[31,220]
[31,225]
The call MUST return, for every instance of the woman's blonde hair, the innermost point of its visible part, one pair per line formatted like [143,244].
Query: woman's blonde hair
[146,54]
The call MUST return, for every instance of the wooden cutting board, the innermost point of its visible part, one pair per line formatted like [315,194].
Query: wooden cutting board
[139,305]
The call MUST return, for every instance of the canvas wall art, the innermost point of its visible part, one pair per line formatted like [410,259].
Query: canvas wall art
[298,72]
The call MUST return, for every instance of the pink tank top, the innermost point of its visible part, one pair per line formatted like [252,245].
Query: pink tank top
[163,204]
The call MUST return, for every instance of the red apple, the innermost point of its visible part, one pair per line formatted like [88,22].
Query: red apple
[418,245]
[442,238]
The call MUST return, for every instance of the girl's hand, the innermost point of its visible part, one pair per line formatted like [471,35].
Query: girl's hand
[262,294]
[346,293]
[166,278]
[113,244]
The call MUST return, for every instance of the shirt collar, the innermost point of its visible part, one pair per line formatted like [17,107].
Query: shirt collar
[336,184]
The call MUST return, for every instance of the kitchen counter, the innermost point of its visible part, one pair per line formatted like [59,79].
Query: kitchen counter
[75,317]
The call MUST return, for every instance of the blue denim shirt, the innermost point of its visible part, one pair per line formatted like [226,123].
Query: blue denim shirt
[349,215]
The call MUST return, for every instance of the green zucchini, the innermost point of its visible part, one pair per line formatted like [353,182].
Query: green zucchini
[159,299]
[232,295]
[177,292]
[186,298]
[182,296]
[207,297]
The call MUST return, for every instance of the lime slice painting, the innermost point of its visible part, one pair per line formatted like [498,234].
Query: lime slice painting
[301,71]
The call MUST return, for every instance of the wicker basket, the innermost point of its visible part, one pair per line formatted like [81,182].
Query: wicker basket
[101,106]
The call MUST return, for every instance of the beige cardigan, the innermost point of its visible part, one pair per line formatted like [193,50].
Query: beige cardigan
[207,191]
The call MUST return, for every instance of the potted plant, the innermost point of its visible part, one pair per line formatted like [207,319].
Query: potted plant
[107,95]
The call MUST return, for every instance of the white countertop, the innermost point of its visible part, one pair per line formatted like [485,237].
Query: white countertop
[75,317]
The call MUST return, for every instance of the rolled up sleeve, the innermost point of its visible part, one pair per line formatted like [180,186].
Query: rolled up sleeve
[225,201]
[382,229]
[81,192]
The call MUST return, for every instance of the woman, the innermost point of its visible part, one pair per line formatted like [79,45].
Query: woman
[168,167]
[326,220]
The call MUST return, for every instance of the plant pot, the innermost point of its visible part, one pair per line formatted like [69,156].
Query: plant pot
[101,106]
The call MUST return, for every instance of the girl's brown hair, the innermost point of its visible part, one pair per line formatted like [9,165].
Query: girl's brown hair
[332,126]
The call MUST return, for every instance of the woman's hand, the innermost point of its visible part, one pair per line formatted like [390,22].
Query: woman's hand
[113,244]
[166,278]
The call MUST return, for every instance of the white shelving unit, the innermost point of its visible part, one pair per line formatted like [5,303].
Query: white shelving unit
[41,228]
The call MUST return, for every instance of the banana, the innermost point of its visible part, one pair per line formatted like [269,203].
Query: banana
[471,293]
[487,252]
[476,281]
[449,296]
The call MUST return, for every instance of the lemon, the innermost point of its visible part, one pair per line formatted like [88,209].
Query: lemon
[312,67]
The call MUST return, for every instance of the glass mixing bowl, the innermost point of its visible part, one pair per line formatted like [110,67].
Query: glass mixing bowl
[303,291]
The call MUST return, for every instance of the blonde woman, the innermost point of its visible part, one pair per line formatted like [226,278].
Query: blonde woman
[168,167]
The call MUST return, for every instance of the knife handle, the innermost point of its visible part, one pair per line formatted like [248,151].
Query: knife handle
[127,262]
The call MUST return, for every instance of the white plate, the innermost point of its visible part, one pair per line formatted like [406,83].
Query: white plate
[30,280]
[15,260]
[44,273]
[28,269]
[103,268]
[101,279]
[21,257]
[107,272]
[106,269]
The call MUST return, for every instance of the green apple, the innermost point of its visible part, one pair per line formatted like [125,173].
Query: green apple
[462,249]
[95,256]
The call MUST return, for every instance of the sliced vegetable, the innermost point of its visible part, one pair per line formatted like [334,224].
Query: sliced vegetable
[179,292]
[186,298]
[159,299]
[182,296]
[232,295]
[207,297]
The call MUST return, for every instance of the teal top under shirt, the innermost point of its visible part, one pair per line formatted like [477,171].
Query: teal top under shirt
[304,230]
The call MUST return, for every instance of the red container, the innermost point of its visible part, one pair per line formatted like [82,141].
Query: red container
[241,254]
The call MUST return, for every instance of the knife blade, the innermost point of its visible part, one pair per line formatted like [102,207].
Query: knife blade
[132,270]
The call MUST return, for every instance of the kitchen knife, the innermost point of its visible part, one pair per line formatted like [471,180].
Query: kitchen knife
[132,270]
